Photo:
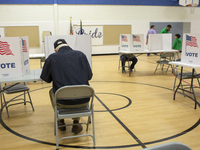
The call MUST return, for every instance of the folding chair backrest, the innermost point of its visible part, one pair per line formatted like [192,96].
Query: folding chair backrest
[168,55]
[74,92]
[170,146]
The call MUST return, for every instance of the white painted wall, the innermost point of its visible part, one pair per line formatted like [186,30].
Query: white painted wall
[137,16]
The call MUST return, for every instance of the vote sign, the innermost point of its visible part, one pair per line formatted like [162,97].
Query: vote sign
[13,61]
[191,49]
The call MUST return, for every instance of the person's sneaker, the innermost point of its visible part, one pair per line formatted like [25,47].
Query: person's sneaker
[61,123]
[123,71]
[77,128]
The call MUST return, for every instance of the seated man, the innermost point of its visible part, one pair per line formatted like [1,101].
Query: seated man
[67,67]
[125,58]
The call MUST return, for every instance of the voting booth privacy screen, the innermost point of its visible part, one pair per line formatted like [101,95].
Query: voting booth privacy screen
[160,42]
[14,56]
[131,42]
[138,41]
[125,42]
[76,42]
[191,49]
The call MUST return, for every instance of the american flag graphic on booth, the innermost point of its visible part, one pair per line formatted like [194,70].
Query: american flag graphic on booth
[136,38]
[124,38]
[191,41]
[24,46]
[5,48]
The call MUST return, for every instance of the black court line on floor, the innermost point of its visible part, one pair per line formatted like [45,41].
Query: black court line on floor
[104,147]
[129,102]
[121,123]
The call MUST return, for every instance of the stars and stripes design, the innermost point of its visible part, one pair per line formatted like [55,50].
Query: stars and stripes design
[191,41]
[24,46]
[136,38]
[124,38]
[5,49]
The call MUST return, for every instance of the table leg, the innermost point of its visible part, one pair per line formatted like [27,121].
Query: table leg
[1,97]
[180,82]
[1,100]
[195,100]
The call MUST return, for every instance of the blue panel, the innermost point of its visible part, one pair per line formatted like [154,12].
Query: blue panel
[96,2]
[122,2]
[26,1]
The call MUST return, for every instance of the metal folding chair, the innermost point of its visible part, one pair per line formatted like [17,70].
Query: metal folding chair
[185,76]
[70,93]
[169,146]
[165,58]
[15,88]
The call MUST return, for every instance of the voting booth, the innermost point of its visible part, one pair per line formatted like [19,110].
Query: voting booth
[14,56]
[191,49]
[125,42]
[76,42]
[160,42]
[131,42]
[138,41]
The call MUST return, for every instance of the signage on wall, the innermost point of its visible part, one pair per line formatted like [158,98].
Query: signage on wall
[191,49]
[96,33]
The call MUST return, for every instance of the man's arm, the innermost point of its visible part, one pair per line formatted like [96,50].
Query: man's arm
[46,71]
[86,66]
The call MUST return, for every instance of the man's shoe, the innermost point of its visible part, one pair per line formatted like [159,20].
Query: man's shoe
[123,71]
[77,128]
[61,123]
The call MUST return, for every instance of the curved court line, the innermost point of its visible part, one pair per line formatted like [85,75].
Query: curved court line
[129,103]
[103,147]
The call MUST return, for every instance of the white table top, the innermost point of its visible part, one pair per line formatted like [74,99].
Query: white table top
[37,55]
[179,63]
[33,75]
[146,51]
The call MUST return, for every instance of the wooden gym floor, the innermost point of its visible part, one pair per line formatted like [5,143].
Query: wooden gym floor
[130,112]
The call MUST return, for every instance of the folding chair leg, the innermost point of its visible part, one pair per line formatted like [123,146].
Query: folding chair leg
[156,68]
[198,81]
[56,124]
[30,100]
[89,120]
[93,128]
[24,98]
[167,68]
[162,68]
[5,104]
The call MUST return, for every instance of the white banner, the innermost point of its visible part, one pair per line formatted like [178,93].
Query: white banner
[191,49]
[96,33]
